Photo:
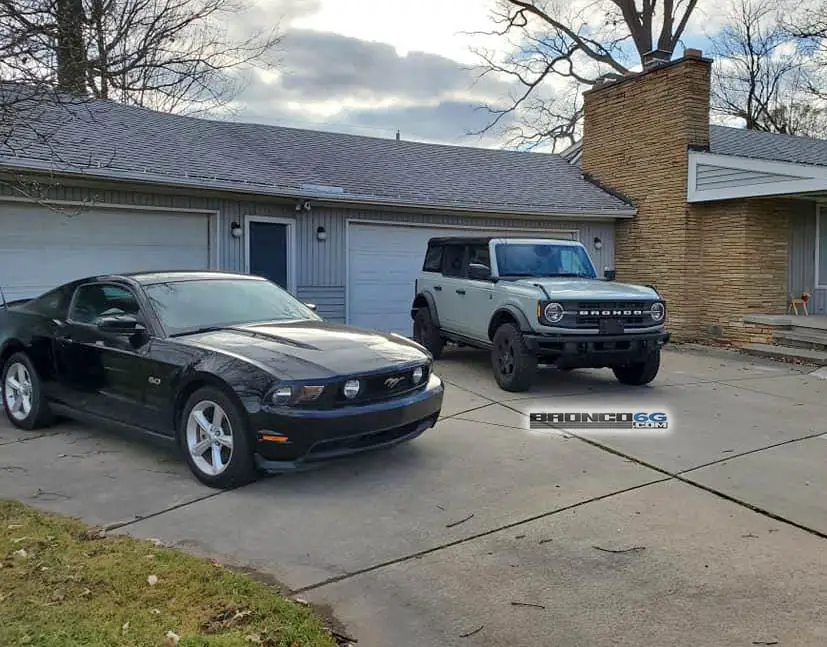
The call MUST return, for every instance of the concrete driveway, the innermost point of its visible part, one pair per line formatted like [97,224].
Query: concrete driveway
[482,532]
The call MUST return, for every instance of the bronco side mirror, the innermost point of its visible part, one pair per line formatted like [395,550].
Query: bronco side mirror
[608,274]
[479,272]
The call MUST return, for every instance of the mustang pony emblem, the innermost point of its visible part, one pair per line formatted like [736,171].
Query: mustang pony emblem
[391,382]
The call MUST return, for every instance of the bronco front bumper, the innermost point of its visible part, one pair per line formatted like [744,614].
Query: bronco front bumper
[595,351]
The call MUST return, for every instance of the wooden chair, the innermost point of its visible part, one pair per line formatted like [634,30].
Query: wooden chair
[796,301]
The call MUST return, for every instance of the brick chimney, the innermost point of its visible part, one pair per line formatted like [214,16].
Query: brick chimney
[637,133]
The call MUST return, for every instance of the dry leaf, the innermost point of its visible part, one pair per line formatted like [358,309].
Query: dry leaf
[152,580]
[155,612]
[85,592]
[301,601]
[157,542]
[14,526]
[125,626]
[18,540]
[21,553]
[172,639]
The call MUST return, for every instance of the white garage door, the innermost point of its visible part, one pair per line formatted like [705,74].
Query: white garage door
[41,248]
[383,263]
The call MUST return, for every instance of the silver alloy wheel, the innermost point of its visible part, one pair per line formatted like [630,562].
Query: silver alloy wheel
[209,438]
[18,391]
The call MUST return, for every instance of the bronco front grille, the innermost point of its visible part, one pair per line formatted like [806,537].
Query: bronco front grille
[631,314]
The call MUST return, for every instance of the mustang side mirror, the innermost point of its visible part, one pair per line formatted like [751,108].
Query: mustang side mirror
[608,274]
[479,272]
[120,324]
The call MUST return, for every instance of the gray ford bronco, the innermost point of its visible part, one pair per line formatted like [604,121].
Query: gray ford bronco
[536,301]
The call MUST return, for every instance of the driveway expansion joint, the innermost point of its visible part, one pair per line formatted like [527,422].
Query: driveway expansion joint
[470,538]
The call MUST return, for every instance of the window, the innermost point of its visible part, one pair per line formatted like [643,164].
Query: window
[479,254]
[821,249]
[96,300]
[543,259]
[186,306]
[452,260]
[433,260]
[54,304]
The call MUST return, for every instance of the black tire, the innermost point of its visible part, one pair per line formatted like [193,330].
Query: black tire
[240,468]
[514,366]
[639,373]
[427,334]
[39,414]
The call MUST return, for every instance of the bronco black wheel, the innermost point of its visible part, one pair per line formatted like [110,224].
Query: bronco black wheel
[514,365]
[639,373]
[427,334]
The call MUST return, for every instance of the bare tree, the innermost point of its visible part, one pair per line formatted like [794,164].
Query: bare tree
[558,48]
[761,74]
[171,55]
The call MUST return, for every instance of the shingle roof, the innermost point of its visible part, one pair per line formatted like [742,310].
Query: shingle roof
[724,140]
[111,140]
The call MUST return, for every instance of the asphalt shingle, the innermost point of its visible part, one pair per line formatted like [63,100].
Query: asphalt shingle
[125,142]
[724,140]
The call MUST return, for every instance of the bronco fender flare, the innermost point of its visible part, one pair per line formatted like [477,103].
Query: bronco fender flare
[422,300]
[505,313]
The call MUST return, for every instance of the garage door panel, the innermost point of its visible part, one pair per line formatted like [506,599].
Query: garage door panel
[383,263]
[41,248]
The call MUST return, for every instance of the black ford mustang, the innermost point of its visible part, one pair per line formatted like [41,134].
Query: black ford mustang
[237,371]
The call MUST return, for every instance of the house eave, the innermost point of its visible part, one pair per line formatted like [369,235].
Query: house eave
[715,177]
[316,197]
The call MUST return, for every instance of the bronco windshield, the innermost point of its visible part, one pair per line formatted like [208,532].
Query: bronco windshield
[187,306]
[543,259]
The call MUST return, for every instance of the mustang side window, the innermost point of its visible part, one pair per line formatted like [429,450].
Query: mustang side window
[95,300]
[54,304]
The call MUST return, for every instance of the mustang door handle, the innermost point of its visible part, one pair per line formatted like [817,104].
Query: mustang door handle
[438,288]
[460,291]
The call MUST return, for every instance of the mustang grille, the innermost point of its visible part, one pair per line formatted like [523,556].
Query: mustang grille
[386,385]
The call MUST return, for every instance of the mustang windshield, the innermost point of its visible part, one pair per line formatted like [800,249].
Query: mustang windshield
[543,259]
[187,306]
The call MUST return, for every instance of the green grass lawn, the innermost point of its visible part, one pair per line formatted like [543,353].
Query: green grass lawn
[63,584]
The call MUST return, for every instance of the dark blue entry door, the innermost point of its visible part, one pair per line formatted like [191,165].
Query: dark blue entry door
[268,251]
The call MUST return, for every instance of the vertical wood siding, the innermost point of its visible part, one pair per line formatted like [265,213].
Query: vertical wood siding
[321,265]
[802,255]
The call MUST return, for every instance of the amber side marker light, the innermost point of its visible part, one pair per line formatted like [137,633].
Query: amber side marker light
[275,438]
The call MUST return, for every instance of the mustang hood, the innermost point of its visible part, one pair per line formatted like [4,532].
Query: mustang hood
[310,349]
[586,289]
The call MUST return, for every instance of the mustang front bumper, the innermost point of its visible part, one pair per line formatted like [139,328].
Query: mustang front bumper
[315,436]
[595,351]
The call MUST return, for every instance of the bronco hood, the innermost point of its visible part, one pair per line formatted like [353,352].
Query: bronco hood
[588,289]
[310,349]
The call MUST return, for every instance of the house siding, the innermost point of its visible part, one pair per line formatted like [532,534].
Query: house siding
[802,255]
[321,266]
[709,177]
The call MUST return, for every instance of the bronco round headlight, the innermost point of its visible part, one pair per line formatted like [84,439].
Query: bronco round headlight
[657,311]
[553,312]
[351,389]
[416,376]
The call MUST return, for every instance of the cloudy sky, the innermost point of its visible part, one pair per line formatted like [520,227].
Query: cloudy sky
[374,66]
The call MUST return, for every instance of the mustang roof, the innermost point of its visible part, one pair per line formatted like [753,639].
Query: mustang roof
[110,140]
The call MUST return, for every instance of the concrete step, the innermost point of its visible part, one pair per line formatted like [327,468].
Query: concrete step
[801,338]
[786,354]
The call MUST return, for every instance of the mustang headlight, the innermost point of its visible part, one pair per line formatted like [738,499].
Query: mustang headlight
[351,389]
[657,311]
[286,395]
[553,312]
[417,374]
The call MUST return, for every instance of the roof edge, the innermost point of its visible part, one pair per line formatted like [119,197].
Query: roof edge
[323,198]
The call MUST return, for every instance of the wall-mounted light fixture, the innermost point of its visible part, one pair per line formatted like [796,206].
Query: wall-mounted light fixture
[235,230]
[321,234]
[598,244]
